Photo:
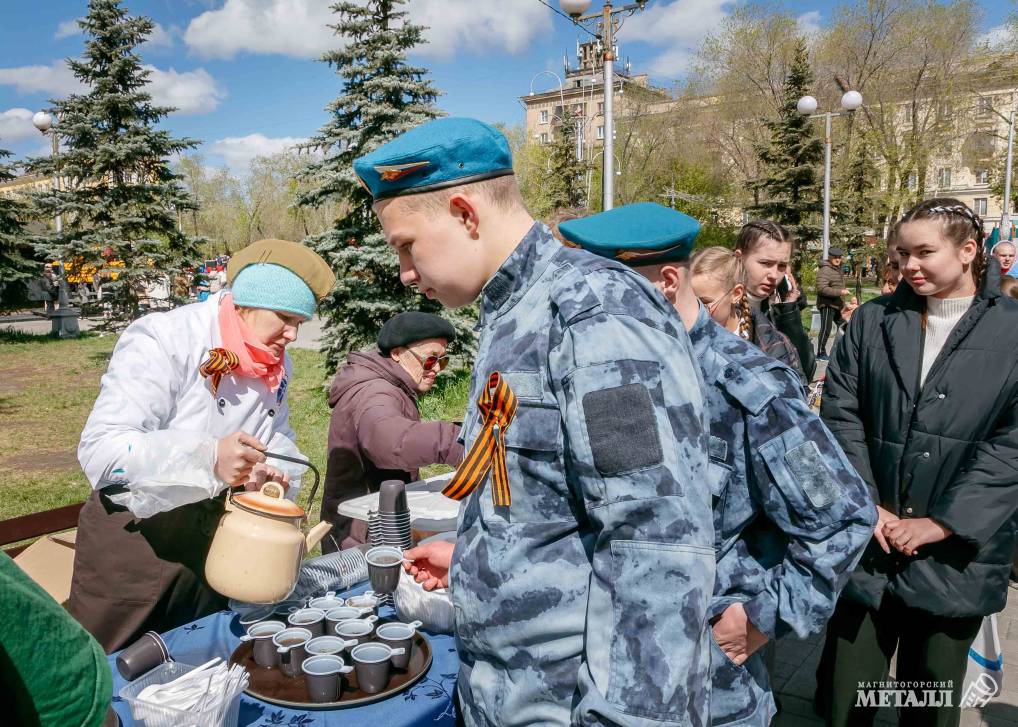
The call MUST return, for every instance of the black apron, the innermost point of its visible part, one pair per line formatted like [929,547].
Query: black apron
[132,576]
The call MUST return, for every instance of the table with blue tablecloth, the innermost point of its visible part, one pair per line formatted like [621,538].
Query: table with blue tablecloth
[428,702]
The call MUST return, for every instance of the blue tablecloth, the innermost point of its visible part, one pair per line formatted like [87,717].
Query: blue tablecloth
[429,702]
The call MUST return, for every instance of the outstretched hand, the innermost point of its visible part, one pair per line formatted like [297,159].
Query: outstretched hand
[431,563]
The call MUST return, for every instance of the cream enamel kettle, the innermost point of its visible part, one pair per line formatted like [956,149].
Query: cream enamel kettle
[258,545]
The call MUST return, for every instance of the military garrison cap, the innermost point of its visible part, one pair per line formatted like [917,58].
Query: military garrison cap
[636,234]
[293,256]
[435,155]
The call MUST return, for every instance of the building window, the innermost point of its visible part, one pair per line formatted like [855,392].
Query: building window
[982,176]
[944,177]
[579,109]
[985,105]
[908,113]
[600,107]
[544,137]
[913,180]
[600,132]
[945,149]
[980,206]
[544,117]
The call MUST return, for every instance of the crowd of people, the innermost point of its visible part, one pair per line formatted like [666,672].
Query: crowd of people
[648,501]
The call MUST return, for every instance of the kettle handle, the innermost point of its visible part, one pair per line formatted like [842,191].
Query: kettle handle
[306,463]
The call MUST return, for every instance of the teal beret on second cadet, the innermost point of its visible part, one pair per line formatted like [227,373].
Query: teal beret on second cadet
[637,234]
[442,153]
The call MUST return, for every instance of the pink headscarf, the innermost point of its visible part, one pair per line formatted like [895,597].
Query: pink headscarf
[256,359]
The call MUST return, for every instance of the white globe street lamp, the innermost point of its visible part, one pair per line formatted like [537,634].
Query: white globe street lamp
[851,100]
[575,8]
[42,121]
[806,105]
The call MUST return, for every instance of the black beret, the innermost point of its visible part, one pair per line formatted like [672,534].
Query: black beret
[406,328]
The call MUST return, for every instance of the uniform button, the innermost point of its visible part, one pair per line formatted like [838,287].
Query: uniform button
[908,510]
[222,403]
[729,373]
[940,396]
[272,412]
[926,455]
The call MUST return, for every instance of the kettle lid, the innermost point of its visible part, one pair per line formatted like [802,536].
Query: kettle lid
[270,501]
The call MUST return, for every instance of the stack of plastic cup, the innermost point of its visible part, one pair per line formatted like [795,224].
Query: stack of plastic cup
[394,515]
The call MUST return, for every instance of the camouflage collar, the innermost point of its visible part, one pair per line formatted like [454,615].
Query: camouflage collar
[519,271]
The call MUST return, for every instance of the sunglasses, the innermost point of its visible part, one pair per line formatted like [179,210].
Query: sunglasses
[431,361]
[711,307]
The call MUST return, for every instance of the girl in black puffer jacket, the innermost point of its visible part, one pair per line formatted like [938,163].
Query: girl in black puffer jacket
[922,393]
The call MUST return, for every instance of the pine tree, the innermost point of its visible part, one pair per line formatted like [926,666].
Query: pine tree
[13,264]
[118,199]
[791,190]
[382,97]
[565,180]
[854,213]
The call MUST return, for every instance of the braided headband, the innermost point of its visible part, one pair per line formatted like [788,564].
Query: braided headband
[958,209]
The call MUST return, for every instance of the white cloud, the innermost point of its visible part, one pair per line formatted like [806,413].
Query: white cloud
[160,37]
[679,25]
[999,36]
[238,151]
[190,92]
[299,28]
[808,24]
[16,125]
[55,79]
[67,29]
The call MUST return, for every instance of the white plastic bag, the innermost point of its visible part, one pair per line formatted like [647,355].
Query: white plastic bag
[432,608]
[984,672]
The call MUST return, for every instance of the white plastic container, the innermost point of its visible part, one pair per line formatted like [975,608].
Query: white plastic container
[146,714]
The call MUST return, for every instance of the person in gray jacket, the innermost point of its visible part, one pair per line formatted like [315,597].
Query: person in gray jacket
[586,451]
[830,293]
[791,515]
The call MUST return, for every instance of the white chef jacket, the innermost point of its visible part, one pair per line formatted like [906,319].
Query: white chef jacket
[155,425]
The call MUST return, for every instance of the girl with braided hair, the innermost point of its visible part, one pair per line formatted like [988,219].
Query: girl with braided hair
[922,394]
[719,278]
[772,293]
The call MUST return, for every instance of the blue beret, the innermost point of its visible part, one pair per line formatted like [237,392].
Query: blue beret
[442,153]
[637,234]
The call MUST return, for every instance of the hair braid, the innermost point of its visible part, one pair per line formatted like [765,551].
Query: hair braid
[747,329]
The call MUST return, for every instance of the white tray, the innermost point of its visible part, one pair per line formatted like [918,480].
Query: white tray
[423,505]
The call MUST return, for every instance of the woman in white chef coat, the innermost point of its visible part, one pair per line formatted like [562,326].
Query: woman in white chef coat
[190,400]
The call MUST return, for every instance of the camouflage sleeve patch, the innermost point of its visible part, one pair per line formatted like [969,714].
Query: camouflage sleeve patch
[622,429]
[812,473]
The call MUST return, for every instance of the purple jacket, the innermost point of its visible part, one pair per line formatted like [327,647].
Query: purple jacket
[376,434]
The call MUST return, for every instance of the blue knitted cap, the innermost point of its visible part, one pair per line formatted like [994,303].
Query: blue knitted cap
[273,287]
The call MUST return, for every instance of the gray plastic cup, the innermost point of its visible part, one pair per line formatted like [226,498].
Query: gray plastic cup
[399,636]
[327,602]
[312,619]
[261,634]
[290,644]
[384,564]
[322,674]
[145,654]
[373,662]
[392,497]
[344,613]
[357,629]
[328,645]
[368,599]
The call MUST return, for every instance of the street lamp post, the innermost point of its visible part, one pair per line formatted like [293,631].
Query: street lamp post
[64,320]
[606,25]
[1005,215]
[807,105]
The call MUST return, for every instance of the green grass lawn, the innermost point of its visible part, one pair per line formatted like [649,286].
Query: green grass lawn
[48,386]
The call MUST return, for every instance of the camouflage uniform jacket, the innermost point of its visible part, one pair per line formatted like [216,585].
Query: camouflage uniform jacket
[791,515]
[585,601]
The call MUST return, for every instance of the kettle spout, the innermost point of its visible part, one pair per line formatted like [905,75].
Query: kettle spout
[315,535]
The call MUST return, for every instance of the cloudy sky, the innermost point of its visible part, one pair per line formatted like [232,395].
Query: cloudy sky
[245,78]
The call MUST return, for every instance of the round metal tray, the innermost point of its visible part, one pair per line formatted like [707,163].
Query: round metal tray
[271,685]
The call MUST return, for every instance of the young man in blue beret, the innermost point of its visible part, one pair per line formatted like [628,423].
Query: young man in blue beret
[586,450]
[791,515]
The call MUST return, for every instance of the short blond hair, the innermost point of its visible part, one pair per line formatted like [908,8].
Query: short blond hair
[503,192]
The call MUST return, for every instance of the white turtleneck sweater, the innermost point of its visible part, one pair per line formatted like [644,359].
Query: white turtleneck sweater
[942,315]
